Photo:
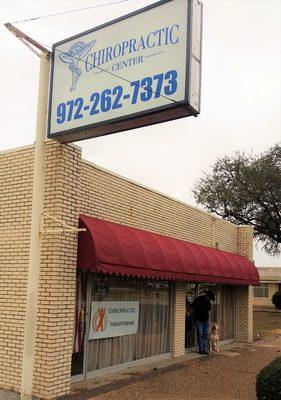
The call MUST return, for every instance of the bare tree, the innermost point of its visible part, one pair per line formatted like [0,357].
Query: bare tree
[246,189]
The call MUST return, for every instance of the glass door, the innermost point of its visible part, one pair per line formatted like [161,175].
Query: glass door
[202,287]
[222,309]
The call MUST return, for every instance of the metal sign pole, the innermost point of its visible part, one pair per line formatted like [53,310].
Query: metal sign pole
[35,237]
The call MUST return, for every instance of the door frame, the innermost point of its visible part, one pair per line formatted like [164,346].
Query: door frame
[193,348]
[83,375]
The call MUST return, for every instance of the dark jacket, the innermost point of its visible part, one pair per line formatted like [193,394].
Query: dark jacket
[201,308]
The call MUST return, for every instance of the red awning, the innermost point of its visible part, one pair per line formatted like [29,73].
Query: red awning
[117,249]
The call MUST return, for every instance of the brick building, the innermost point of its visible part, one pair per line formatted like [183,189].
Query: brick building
[270,283]
[73,188]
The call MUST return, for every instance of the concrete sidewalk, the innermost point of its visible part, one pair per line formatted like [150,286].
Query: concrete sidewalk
[229,375]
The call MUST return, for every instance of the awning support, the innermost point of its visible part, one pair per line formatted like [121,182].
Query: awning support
[66,228]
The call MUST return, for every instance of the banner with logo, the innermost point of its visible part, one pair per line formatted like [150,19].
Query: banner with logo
[113,318]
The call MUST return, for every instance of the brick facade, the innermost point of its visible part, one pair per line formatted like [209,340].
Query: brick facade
[74,186]
[270,278]
[178,319]
[16,174]
[57,279]
[266,302]
[244,295]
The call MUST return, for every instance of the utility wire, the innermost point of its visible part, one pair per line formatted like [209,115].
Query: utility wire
[113,74]
[20,21]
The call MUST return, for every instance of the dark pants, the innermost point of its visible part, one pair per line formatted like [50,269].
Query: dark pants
[202,329]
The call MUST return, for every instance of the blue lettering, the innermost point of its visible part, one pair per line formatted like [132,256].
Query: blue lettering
[89,62]
[149,44]
[159,32]
[117,51]
[96,58]
[132,45]
[166,36]
[127,63]
[150,87]
[108,54]
[141,44]
[160,37]
[125,45]
[103,54]
[174,40]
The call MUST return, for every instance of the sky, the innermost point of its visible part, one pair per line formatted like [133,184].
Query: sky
[240,98]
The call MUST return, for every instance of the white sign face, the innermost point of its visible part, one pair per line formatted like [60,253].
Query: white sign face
[127,68]
[113,318]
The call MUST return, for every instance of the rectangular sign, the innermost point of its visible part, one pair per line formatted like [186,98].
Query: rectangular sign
[141,69]
[113,318]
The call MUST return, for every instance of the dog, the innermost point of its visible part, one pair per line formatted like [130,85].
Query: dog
[214,338]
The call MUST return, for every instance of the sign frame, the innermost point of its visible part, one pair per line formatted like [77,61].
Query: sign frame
[163,113]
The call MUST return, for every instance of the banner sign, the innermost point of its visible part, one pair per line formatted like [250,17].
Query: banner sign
[113,318]
[141,69]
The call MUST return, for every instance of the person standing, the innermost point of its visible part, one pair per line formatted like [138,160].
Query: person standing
[201,309]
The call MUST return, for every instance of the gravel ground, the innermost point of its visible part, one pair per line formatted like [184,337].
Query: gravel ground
[229,375]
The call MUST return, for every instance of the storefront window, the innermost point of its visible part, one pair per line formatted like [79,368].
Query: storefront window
[226,305]
[222,309]
[214,309]
[152,334]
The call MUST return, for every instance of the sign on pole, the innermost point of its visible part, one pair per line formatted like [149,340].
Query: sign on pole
[141,69]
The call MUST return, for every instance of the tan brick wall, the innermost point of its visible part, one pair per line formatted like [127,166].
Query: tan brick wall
[57,273]
[16,175]
[178,319]
[111,197]
[244,295]
[57,269]
[74,186]
[245,241]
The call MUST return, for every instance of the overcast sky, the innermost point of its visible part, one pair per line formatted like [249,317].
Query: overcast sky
[241,92]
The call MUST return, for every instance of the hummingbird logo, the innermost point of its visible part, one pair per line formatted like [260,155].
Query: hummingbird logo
[77,52]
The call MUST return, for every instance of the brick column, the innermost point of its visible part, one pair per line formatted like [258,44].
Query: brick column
[16,174]
[244,294]
[178,319]
[57,273]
